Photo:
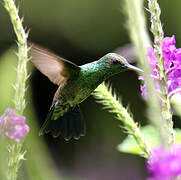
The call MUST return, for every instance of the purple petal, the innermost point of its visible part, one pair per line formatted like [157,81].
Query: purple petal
[13,126]
[165,164]
[172,62]
[140,78]
[151,54]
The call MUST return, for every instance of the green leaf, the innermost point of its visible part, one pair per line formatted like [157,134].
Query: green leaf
[177,136]
[129,145]
[151,135]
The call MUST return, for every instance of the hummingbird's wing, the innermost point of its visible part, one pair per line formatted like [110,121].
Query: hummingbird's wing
[57,69]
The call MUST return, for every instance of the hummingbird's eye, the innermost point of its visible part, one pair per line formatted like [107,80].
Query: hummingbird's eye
[115,61]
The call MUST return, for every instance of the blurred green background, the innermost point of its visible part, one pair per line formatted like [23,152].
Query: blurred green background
[81,31]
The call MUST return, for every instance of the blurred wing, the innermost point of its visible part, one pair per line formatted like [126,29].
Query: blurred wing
[57,69]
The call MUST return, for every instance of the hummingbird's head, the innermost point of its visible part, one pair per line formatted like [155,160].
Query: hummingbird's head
[118,63]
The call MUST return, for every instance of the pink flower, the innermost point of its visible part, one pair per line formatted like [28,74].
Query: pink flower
[164,164]
[143,91]
[172,62]
[13,126]
[168,48]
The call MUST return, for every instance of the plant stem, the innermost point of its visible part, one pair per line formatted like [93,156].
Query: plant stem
[22,75]
[110,101]
[156,28]
[14,160]
[15,149]
[159,116]
[139,36]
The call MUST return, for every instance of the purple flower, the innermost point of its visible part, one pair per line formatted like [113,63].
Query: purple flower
[13,126]
[164,164]
[172,62]
[168,48]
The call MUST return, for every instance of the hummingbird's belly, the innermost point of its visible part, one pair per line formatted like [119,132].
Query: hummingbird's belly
[76,93]
[82,95]
[70,96]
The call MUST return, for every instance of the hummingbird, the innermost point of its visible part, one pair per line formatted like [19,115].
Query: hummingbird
[75,84]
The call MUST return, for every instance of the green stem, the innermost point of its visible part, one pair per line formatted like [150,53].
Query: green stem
[139,36]
[110,101]
[156,28]
[14,160]
[22,75]
[15,149]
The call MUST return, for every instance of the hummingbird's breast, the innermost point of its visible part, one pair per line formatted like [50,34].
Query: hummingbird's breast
[79,88]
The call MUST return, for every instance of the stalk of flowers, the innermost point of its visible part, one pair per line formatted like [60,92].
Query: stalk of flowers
[165,60]
[11,125]
[172,66]
[136,27]
[139,36]
[156,27]
[165,163]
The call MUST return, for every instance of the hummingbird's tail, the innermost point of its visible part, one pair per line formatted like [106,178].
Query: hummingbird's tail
[70,125]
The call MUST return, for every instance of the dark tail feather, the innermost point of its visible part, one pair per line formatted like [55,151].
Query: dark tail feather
[70,125]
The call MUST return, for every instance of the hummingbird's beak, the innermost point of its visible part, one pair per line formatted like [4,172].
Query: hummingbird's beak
[134,68]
